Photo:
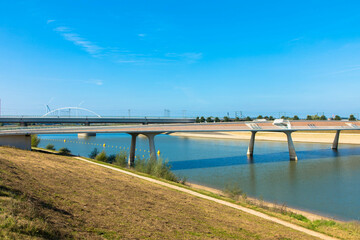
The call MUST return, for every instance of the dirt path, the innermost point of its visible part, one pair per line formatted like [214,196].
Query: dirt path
[235,206]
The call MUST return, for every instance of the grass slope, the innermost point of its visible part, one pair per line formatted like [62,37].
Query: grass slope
[46,196]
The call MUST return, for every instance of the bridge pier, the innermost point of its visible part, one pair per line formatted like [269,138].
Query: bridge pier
[151,137]
[18,141]
[85,135]
[250,150]
[291,146]
[131,159]
[336,140]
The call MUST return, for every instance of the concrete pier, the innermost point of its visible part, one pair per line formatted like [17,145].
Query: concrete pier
[336,140]
[291,146]
[131,159]
[250,150]
[151,137]
[85,135]
[18,141]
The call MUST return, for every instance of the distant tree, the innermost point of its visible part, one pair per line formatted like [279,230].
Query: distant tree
[217,119]
[259,117]
[35,140]
[284,117]
[271,118]
[308,117]
[50,147]
[295,117]
[101,157]
[202,119]
[248,118]
[209,119]
[1,124]
[197,119]
[337,117]
[64,151]
[316,117]
[323,117]
[94,153]
[226,119]
[352,117]
[237,119]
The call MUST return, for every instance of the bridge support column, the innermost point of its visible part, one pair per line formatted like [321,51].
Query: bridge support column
[151,137]
[336,140]
[291,146]
[131,158]
[18,141]
[85,135]
[250,150]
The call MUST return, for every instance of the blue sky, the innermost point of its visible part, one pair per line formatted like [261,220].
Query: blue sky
[205,57]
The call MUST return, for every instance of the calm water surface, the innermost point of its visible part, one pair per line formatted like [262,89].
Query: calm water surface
[322,181]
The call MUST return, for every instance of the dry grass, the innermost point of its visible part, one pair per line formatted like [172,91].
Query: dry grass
[47,196]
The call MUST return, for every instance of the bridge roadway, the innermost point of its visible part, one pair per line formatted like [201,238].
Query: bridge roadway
[24,121]
[20,137]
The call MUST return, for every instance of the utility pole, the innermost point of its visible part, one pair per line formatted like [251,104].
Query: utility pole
[129,112]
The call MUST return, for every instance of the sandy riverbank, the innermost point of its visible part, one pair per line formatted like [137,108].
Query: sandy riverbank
[316,137]
[311,216]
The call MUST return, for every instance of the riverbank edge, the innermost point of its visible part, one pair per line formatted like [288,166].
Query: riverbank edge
[254,202]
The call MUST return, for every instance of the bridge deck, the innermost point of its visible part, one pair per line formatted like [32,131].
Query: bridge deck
[190,127]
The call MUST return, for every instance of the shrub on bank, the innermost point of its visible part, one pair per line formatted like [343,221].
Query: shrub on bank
[35,140]
[64,151]
[50,147]
[101,157]
[94,153]
[156,167]
[121,159]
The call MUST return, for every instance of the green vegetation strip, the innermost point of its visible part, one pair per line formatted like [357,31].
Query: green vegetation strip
[232,205]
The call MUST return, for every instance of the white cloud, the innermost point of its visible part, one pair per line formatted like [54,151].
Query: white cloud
[97,82]
[75,38]
[50,21]
[141,34]
[190,57]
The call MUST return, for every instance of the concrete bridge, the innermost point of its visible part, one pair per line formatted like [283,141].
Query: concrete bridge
[25,121]
[20,137]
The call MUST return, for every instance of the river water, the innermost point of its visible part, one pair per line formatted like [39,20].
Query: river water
[322,181]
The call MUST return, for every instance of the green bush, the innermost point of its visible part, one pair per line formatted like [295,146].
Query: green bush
[94,153]
[217,119]
[50,147]
[337,117]
[156,167]
[226,119]
[248,118]
[111,158]
[197,119]
[35,140]
[308,117]
[295,117]
[121,159]
[202,119]
[233,191]
[101,157]
[259,117]
[64,151]
[209,119]
[323,117]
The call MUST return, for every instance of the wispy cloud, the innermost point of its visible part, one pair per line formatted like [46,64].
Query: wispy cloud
[75,38]
[124,56]
[50,21]
[189,57]
[97,82]
[346,70]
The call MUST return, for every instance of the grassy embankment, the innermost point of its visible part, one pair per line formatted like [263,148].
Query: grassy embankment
[49,196]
